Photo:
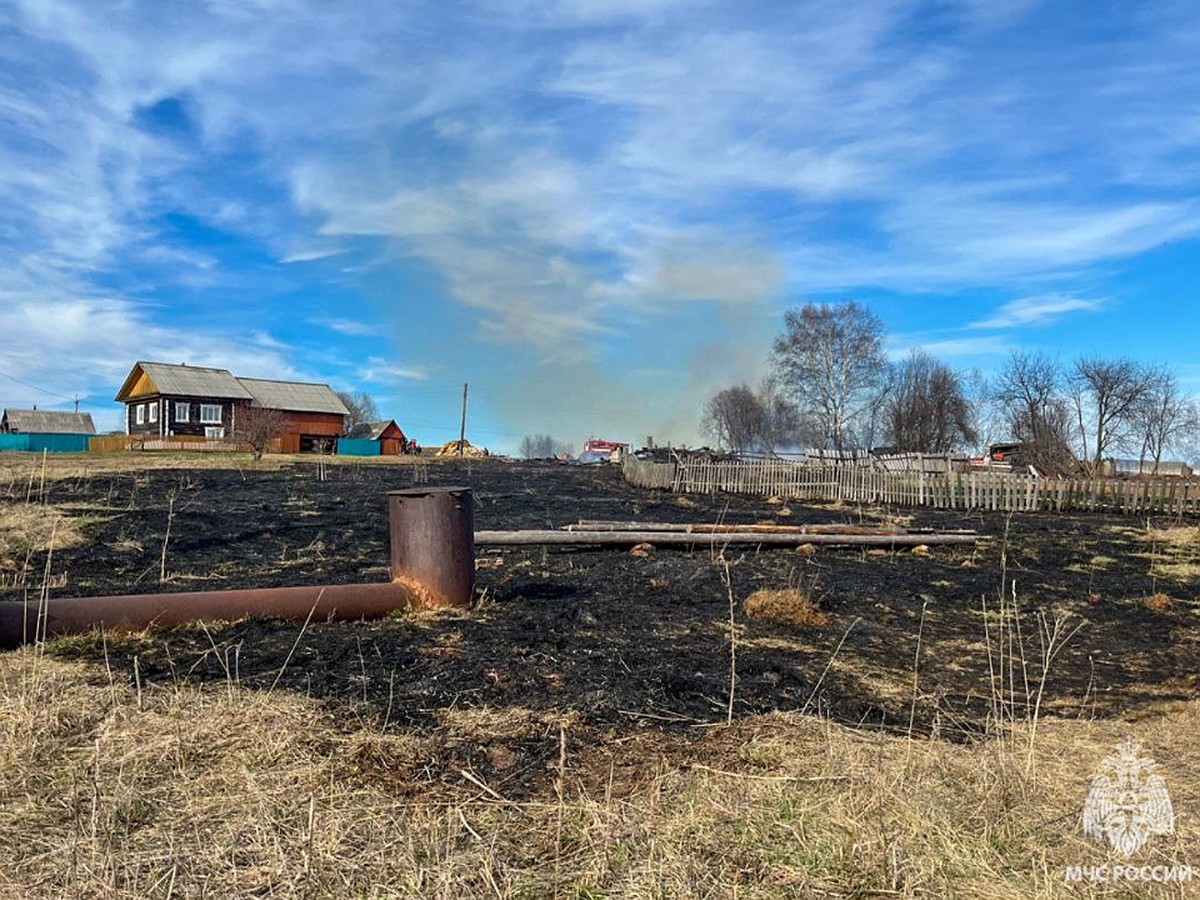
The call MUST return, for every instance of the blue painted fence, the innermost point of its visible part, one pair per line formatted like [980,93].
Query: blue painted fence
[357,447]
[53,443]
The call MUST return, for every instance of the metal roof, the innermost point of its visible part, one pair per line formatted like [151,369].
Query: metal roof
[40,421]
[375,430]
[192,381]
[294,396]
[1147,467]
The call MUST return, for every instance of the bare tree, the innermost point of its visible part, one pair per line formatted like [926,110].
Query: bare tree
[1107,394]
[1164,417]
[1028,391]
[362,410]
[258,426]
[739,418]
[734,418]
[926,410]
[830,360]
[781,425]
[542,446]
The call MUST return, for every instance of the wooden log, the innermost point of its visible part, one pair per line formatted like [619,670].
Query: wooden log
[718,528]
[542,537]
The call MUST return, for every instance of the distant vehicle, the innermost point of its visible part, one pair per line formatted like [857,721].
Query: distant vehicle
[596,450]
[1011,453]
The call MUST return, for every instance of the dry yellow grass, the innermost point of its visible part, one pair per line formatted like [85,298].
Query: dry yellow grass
[225,792]
[787,605]
[20,470]
[1158,602]
[1172,552]
[30,528]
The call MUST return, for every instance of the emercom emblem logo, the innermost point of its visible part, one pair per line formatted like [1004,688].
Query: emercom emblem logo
[1128,802]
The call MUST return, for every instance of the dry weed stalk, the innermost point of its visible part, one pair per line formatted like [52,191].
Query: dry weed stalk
[162,562]
[912,710]
[1015,700]
[828,665]
[728,578]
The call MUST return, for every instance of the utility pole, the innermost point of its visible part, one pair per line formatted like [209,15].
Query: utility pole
[462,428]
[76,403]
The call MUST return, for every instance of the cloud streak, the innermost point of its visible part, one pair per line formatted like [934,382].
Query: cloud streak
[1033,311]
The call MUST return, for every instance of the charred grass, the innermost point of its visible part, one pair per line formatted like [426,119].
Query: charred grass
[568,736]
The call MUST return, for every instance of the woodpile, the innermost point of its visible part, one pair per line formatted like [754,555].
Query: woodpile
[460,448]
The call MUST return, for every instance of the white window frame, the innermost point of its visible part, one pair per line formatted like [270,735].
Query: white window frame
[205,414]
[186,408]
[153,412]
[214,433]
[139,414]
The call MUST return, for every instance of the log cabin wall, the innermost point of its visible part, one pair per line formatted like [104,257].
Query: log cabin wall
[185,419]
[169,418]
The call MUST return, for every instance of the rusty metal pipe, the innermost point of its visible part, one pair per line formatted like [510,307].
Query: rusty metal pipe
[27,621]
[433,543]
[433,564]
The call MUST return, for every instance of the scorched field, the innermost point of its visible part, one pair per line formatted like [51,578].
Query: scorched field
[725,721]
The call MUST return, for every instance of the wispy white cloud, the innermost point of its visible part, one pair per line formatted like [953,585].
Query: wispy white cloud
[351,327]
[301,256]
[1041,310]
[378,369]
[900,346]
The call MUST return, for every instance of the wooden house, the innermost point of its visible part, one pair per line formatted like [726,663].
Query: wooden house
[166,400]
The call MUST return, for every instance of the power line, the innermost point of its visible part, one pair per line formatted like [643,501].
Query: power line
[35,387]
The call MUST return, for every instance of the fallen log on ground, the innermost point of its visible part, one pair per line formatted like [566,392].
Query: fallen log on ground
[763,527]
[723,528]
[536,537]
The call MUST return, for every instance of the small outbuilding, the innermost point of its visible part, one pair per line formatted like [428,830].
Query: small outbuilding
[384,438]
[45,429]
[46,421]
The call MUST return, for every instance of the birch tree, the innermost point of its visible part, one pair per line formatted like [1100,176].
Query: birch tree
[830,361]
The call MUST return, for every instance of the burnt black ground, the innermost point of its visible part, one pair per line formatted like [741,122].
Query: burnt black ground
[623,642]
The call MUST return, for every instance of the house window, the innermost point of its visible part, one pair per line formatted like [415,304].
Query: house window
[182,411]
[153,412]
[139,414]
[210,413]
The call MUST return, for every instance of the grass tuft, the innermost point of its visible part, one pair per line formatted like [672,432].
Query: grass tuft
[1159,602]
[789,605]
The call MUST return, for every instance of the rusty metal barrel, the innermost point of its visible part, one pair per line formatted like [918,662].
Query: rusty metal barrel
[433,543]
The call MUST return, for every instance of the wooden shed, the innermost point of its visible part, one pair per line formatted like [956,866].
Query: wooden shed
[45,421]
[316,418]
[392,441]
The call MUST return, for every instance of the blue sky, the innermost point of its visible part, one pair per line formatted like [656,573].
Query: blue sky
[594,211]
